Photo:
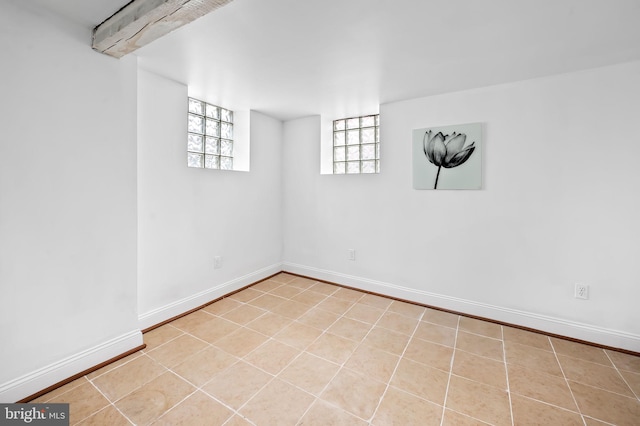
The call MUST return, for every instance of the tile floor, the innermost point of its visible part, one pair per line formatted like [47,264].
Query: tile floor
[292,351]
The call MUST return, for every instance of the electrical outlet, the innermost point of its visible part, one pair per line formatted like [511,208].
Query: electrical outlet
[352,254]
[582,291]
[217,262]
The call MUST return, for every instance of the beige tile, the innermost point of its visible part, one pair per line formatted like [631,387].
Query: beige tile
[593,422]
[633,380]
[214,329]
[483,328]
[431,354]
[421,380]
[187,322]
[268,285]
[407,309]
[237,421]
[83,400]
[59,391]
[543,387]
[349,328]
[223,306]
[177,350]
[198,408]
[243,314]
[298,335]
[160,335]
[323,414]
[324,288]
[446,319]
[246,295]
[401,408]
[479,401]
[269,324]
[318,318]
[348,294]
[290,309]
[528,338]
[286,291]
[375,301]
[480,345]
[310,373]
[361,403]
[267,301]
[247,380]
[372,362]
[301,282]
[272,357]
[534,359]
[529,412]
[387,340]
[284,277]
[453,418]
[241,342]
[625,361]
[154,399]
[606,406]
[309,298]
[335,305]
[333,348]
[107,416]
[119,382]
[364,313]
[480,369]
[202,366]
[436,333]
[266,407]
[579,350]
[592,374]
[398,323]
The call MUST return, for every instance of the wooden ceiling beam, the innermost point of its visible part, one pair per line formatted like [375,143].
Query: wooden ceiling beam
[142,21]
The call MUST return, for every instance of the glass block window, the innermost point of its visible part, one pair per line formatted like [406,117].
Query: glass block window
[356,145]
[210,136]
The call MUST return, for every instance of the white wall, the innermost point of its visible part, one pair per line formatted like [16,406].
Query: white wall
[188,216]
[67,202]
[559,206]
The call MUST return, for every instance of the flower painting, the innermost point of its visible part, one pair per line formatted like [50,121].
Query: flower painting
[448,157]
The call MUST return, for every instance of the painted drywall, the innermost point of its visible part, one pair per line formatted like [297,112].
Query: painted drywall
[559,206]
[188,216]
[67,201]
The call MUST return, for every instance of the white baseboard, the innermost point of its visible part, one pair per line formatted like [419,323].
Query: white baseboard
[163,313]
[559,326]
[28,384]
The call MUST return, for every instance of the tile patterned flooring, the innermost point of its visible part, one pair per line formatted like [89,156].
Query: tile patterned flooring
[293,351]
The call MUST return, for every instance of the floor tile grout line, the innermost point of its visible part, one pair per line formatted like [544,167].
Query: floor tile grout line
[342,365]
[111,403]
[384,393]
[274,376]
[575,401]
[220,401]
[179,402]
[637,395]
[140,353]
[446,392]
[506,372]
[237,304]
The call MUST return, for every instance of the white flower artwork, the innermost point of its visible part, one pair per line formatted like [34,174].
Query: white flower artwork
[448,157]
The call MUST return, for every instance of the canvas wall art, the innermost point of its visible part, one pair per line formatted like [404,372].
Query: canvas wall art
[448,157]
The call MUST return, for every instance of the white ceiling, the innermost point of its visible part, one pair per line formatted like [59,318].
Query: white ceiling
[293,58]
